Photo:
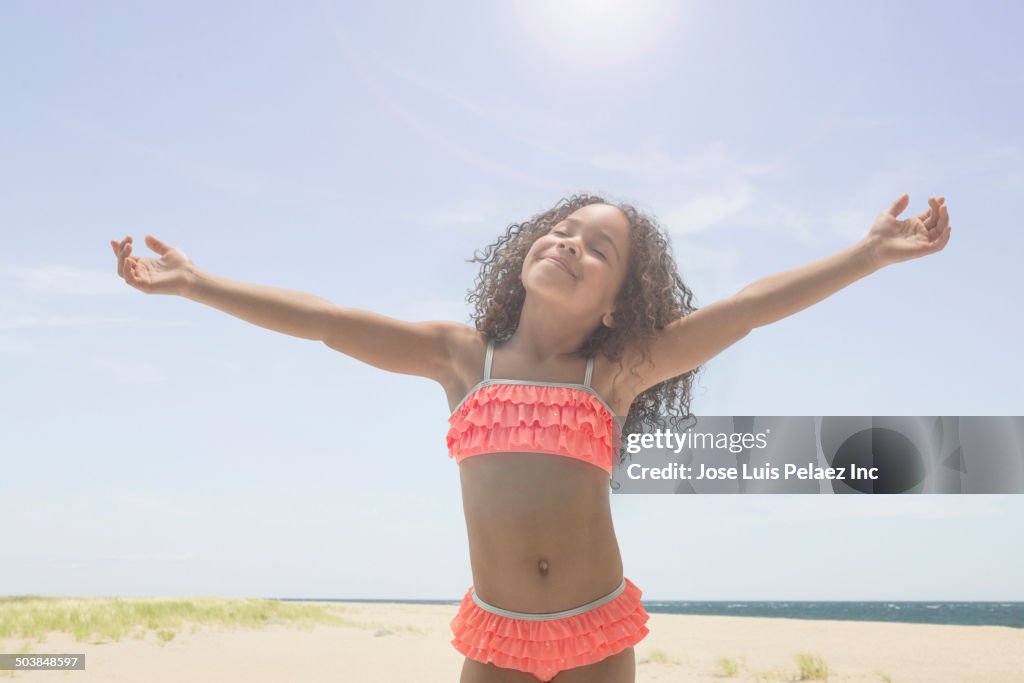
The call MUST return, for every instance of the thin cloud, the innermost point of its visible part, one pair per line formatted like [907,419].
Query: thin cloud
[704,212]
[230,179]
[84,322]
[509,110]
[57,280]
[63,280]
[125,371]
[923,507]
[436,309]
[149,557]
[711,272]
[650,158]
[134,502]
[12,345]
[386,100]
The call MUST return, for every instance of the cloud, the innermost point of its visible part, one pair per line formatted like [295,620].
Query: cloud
[472,215]
[83,322]
[13,345]
[495,115]
[230,179]
[125,371]
[414,116]
[84,562]
[435,309]
[703,212]
[132,502]
[921,507]
[711,272]
[149,557]
[57,279]
[651,159]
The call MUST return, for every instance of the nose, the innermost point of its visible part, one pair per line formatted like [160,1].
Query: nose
[567,243]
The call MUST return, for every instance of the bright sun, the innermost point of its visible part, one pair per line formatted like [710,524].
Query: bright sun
[598,32]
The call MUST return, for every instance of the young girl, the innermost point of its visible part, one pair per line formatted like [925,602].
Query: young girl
[580,316]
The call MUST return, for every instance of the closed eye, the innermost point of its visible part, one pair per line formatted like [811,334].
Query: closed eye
[596,251]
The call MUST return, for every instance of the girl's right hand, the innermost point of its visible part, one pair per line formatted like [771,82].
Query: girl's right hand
[172,273]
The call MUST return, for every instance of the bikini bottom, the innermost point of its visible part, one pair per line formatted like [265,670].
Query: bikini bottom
[544,644]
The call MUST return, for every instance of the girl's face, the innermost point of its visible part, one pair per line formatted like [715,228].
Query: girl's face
[592,244]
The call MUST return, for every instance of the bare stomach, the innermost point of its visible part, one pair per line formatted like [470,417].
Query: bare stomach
[540,531]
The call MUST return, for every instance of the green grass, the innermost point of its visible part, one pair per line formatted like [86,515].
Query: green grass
[25,650]
[656,657]
[106,619]
[812,668]
[729,667]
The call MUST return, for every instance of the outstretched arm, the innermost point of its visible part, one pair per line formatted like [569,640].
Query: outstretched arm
[889,241]
[690,341]
[423,349]
[415,348]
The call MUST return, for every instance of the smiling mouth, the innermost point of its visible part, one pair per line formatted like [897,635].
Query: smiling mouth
[560,265]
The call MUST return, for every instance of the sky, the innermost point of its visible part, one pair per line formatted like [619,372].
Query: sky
[362,152]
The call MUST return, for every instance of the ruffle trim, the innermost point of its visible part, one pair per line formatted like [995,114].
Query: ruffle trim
[548,419]
[550,646]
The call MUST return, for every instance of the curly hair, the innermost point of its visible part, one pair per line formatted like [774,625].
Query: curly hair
[652,296]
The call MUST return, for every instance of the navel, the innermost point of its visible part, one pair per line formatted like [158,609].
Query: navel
[542,567]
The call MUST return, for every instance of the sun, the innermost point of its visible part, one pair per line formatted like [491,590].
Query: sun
[598,33]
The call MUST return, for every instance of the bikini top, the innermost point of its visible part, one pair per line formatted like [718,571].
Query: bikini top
[512,415]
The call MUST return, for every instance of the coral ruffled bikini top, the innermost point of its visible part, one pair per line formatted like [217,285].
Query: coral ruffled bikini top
[512,415]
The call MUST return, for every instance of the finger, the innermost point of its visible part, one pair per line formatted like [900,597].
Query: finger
[941,240]
[897,206]
[941,203]
[938,226]
[126,252]
[933,217]
[120,259]
[131,271]
[157,246]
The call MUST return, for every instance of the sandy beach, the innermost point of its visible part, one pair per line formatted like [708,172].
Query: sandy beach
[392,643]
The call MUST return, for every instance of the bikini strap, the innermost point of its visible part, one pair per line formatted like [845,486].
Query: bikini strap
[488,358]
[590,371]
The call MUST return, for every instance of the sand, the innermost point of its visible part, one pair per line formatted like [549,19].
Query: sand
[378,647]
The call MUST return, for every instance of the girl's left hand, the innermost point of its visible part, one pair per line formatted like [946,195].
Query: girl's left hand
[893,240]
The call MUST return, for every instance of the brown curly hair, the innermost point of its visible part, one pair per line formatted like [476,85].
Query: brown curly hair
[652,296]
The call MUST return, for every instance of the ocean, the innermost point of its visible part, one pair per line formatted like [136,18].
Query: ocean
[915,612]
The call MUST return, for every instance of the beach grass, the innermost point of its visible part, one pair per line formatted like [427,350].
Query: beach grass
[812,668]
[107,619]
[729,667]
[656,656]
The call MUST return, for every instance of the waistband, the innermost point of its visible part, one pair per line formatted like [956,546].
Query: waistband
[532,616]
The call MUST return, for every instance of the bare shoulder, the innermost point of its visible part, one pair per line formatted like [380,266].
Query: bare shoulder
[430,349]
[683,345]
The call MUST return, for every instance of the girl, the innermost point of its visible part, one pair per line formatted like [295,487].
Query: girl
[580,316]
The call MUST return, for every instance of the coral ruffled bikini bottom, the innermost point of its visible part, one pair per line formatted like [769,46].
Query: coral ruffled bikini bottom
[545,644]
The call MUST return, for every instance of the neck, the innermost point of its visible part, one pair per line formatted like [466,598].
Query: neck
[546,334]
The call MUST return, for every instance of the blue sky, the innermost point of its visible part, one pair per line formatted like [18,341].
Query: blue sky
[153,446]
